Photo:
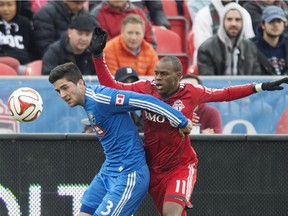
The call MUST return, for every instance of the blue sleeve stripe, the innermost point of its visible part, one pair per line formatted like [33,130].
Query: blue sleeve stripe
[99,97]
[155,108]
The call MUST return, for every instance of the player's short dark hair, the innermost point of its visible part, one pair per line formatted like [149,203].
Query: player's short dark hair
[68,71]
[177,65]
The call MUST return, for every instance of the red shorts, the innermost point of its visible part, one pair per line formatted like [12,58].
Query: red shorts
[175,186]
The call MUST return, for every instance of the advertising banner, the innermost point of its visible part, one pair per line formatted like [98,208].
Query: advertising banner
[261,113]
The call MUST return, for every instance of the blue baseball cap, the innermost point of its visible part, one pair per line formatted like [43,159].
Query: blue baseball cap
[273,12]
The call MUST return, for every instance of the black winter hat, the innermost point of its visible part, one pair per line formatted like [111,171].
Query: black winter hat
[83,22]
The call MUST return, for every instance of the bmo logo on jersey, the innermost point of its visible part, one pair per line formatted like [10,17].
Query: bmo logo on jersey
[178,105]
[154,117]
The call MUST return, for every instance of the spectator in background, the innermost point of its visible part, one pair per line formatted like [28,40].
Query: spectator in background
[37,4]
[26,9]
[209,117]
[154,12]
[207,22]
[15,33]
[73,46]
[195,5]
[129,75]
[112,12]
[256,7]
[272,43]
[130,48]
[227,52]
[282,126]
[52,20]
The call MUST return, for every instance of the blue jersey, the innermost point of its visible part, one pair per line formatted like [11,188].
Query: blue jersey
[107,110]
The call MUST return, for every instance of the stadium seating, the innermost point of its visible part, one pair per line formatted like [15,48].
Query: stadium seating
[170,7]
[282,127]
[179,23]
[167,41]
[6,70]
[190,44]
[193,69]
[34,68]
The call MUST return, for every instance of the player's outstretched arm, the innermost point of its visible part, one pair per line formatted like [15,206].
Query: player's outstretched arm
[271,86]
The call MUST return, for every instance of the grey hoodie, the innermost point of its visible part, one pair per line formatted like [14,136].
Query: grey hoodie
[232,52]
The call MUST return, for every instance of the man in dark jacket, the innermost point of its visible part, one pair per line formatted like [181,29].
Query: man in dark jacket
[272,43]
[52,20]
[228,53]
[73,47]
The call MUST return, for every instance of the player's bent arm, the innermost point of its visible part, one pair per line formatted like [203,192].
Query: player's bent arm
[104,75]
[148,102]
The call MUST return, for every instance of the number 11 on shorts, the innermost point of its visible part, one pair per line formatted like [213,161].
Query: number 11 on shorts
[180,186]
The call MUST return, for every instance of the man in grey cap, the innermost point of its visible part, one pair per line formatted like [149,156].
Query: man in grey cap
[271,42]
[73,46]
[130,75]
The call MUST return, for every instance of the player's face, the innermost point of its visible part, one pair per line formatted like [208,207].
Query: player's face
[274,28]
[233,23]
[8,9]
[79,40]
[72,94]
[133,35]
[166,79]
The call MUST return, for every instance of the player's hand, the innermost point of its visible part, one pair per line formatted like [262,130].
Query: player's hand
[195,118]
[208,131]
[187,129]
[272,85]
[98,42]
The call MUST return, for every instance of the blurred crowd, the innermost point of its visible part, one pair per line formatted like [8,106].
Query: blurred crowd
[210,37]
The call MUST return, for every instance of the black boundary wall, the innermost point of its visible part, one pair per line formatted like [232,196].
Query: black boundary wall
[237,174]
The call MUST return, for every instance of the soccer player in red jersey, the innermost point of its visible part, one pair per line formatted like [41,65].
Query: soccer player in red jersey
[171,158]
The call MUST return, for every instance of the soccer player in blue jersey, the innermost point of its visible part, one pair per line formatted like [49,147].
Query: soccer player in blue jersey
[122,183]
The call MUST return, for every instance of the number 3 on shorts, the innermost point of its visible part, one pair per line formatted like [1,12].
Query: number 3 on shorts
[109,206]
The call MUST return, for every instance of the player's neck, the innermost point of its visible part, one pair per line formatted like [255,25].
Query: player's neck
[165,96]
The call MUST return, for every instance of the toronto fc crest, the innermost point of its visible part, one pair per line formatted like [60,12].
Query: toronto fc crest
[178,105]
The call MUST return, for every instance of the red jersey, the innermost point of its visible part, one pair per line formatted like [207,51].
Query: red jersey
[165,148]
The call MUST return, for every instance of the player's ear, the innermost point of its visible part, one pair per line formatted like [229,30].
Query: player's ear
[179,75]
[81,83]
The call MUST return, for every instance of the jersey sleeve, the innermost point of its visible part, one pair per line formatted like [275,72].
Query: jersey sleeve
[203,94]
[128,101]
[105,77]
